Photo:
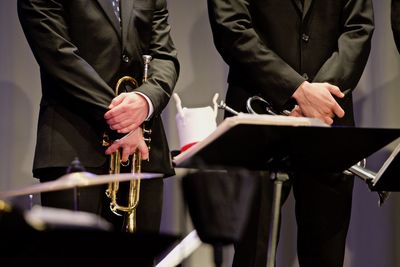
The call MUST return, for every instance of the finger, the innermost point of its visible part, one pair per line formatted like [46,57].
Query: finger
[117,100]
[111,149]
[129,128]
[328,120]
[126,152]
[334,90]
[144,150]
[115,112]
[119,117]
[338,111]
[295,113]
[123,124]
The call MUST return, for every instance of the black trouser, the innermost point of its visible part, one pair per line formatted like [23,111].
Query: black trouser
[323,209]
[93,199]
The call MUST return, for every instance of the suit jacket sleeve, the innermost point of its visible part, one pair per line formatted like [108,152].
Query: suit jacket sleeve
[346,65]
[44,24]
[238,43]
[164,67]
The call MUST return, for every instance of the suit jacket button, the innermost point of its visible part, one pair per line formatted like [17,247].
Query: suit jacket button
[305,37]
[305,76]
[125,58]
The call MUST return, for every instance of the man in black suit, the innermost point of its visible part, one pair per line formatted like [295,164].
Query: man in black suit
[83,47]
[395,19]
[299,56]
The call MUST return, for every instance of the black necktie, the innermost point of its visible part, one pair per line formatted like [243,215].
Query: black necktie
[115,4]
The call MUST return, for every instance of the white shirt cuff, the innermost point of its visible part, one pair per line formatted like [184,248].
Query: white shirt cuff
[151,108]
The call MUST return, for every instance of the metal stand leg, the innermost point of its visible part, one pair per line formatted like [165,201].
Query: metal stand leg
[278,178]
[218,255]
[183,250]
[76,199]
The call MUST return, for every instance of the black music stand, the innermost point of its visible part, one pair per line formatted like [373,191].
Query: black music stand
[281,145]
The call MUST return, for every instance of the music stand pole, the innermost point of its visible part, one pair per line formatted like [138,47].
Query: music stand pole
[76,198]
[279,178]
[75,166]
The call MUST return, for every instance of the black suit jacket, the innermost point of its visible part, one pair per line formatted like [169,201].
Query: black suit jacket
[82,51]
[272,46]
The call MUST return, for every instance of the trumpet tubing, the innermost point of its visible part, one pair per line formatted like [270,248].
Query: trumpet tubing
[133,193]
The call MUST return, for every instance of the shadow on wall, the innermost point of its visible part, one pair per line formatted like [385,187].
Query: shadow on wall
[16,136]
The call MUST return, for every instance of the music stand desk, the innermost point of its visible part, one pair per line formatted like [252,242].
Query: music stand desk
[282,145]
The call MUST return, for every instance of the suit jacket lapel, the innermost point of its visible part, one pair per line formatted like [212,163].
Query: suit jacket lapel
[298,4]
[126,13]
[306,7]
[303,9]
[109,11]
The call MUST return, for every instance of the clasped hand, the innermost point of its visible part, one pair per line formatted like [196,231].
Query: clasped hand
[316,100]
[126,115]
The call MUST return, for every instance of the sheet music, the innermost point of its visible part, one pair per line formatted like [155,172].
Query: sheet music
[40,216]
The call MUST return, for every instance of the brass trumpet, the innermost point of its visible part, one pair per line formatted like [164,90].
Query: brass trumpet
[115,164]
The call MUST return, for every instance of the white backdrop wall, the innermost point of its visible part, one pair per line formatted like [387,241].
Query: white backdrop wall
[374,236]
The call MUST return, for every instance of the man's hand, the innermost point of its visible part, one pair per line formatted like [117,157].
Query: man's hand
[129,143]
[296,112]
[127,112]
[316,100]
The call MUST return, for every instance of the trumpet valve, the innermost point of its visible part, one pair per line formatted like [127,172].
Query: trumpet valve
[147,131]
[146,59]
